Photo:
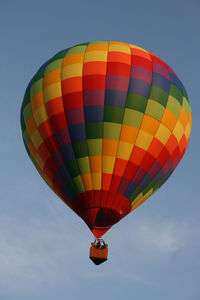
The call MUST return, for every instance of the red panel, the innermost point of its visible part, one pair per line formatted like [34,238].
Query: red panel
[141,61]
[147,161]
[157,60]
[51,144]
[137,155]
[43,152]
[73,100]
[58,121]
[117,68]
[130,171]
[115,183]
[120,165]
[155,147]
[92,82]
[163,157]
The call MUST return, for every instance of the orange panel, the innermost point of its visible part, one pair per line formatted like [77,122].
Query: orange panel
[109,147]
[98,67]
[119,57]
[106,180]
[73,59]
[72,85]
[51,78]
[171,144]
[31,127]
[169,119]
[155,147]
[149,124]
[54,106]
[95,164]
[128,134]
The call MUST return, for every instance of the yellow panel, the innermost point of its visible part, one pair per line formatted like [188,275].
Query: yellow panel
[95,164]
[119,48]
[124,150]
[96,181]
[39,161]
[183,118]
[169,119]
[149,124]
[73,59]
[40,115]
[36,139]
[70,71]
[51,78]
[143,140]
[32,149]
[87,181]
[187,131]
[52,91]
[163,133]
[178,131]
[37,101]
[79,184]
[108,164]
[97,47]
[95,55]
[135,200]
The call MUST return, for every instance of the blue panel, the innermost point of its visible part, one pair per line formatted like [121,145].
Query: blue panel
[115,97]
[131,188]
[176,81]
[67,152]
[145,181]
[139,87]
[161,82]
[94,113]
[77,132]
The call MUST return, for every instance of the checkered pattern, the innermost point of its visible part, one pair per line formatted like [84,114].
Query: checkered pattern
[105,124]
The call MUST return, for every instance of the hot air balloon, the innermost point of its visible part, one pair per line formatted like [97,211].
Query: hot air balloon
[105,123]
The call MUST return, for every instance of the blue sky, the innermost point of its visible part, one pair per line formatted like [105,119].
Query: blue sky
[153,252]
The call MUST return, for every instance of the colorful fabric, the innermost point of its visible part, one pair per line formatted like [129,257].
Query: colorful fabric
[105,124]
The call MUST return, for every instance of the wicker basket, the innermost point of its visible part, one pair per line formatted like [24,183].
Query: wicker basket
[98,255]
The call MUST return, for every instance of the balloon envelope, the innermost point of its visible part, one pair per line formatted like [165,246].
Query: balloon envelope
[105,124]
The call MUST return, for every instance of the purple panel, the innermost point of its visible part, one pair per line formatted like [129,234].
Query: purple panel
[154,169]
[94,113]
[167,166]
[115,97]
[139,87]
[123,186]
[158,176]
[139,175]
[141,73]
[157,68]
[93,97]
[62,136]
[75,116]
[117,82]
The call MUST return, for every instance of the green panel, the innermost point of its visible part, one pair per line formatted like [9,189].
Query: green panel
[185,105]
[59,55]
[26,99]
[94,130]
[55,65]
[77,49]
[27,113]
[72,186]
[94,147]
[159,183]
[135,194]
[185,94]
[38,76]
[80,148]
[113,114]
[136,102]
[154,109]
[133,118]
[73,168]
[111,131]
[36,88]
[84,165]
[158,94]
[176,93]
[26,137]
[174,106]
